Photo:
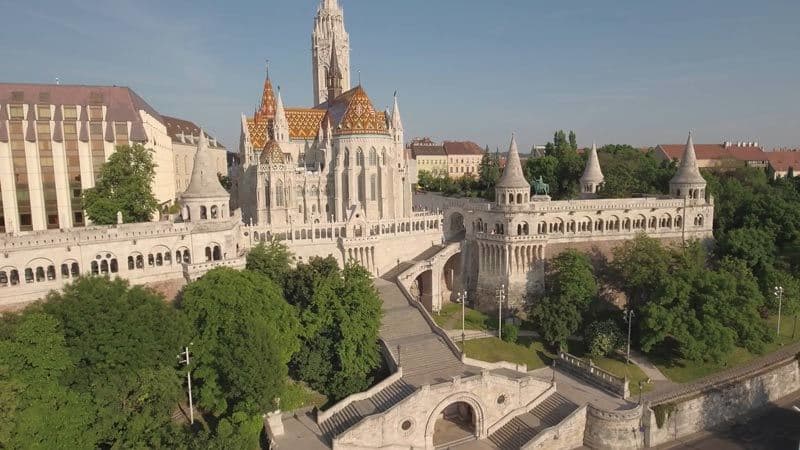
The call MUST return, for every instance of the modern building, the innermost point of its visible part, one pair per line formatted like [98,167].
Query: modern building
[185,141]
[55,138]
[463,158]
[728,155]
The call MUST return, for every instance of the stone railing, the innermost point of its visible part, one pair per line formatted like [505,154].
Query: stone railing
[522,368]
[565,435]
[508,417]
[344,403]
[595,375]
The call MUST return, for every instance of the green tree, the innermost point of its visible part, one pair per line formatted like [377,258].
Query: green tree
[272,260]
[571,287]
[602,338]
[545,167]
[245,334]
[488,174]
[123,185]
[225,181]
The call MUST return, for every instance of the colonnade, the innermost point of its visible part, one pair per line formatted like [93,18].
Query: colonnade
[509,259]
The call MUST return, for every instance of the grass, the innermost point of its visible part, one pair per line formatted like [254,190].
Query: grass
[298,396]
[449,318]
[682,371]
[527,351]
[616,365]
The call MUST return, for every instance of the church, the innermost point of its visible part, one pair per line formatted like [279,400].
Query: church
[328,163]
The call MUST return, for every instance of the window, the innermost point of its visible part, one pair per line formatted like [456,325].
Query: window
[96,113]
[16,112]
[29,275]
[43,111]
[75,270]
[65,270]
[70,113]
[121,133]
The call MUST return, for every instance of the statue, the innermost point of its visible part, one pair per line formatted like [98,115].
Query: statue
[540,187]
[119,217]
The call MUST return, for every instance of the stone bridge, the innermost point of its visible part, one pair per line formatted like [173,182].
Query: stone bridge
[435,279]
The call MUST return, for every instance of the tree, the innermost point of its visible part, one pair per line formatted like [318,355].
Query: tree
[123,185]
[570,164]
[245,334]
[341,323]
[545,167]
[225,181]
[271,260]
[301,282]
[602,338]
[571,286]
[488,174]
[754,246]
[123,341]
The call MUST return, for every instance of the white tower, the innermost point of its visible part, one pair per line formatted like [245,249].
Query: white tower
[592,177]
[328,23]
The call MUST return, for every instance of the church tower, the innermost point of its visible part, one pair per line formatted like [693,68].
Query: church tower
[329,34]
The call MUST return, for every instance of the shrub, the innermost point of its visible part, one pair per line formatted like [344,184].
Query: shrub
[602,338]
[510,333]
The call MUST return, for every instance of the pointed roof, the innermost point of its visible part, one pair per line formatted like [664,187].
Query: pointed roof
[267,108]
[272,153]
[592,172]
[353,113]
[397,123]
[333,66]
[512,175]
[688,172]
[204,182]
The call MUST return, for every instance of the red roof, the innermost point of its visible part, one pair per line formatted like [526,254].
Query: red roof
[462,148]
[783,160]
[715,151]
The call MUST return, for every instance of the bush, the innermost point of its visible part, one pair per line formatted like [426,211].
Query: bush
[510,333]
[602,338]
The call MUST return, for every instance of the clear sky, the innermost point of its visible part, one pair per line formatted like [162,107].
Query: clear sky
[637,72]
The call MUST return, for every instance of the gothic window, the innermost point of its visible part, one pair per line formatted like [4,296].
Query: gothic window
[383,157]
[373,187]
[360,158]
[299,194]
[347,157]
[203,213]
[280,200]
[373,157]
[214,212]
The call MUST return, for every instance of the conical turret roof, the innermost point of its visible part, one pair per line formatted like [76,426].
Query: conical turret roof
[204,182]
[512,175]
[592,172]
[267,108]
[688,171]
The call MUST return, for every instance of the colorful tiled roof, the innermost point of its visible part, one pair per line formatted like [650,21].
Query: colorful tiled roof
[272,153]
[353,113]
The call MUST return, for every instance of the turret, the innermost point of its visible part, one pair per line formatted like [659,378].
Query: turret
[267,108]
[205,198]
[512,189]
[688,183]
[592,175]
[333,80]
[397,123]
[281,124]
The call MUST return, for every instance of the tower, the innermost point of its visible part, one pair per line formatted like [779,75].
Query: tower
[512,189]
[396,122]
[688,183]
[592,176]
[280,128]
[333,77]
[329,34]
[205,198]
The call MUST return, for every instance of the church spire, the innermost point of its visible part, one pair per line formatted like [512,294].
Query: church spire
[267,108]
[397,123]
[334,79]
[281,124]
[592,175]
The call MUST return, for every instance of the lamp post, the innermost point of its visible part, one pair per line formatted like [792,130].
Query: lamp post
[628,315]
[185,360]
[779,294]
[501,295]
[462,298]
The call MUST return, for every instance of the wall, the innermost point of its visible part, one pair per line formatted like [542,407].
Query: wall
[717,403]
[566,435]
[611,430]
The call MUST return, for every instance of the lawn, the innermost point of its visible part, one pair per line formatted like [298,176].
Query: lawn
[615,364]
[449,318]
[298,395]
[682,371]
[493,349]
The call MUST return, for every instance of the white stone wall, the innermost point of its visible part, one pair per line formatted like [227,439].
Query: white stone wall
[566,435]
[423,408]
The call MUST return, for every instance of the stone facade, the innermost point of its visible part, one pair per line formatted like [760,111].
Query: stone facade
[508,242]
[493,399]
[185,137]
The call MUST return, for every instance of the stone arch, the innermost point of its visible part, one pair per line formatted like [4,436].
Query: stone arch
[454,226]
[460,397]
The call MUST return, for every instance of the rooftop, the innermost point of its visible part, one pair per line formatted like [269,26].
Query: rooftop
[717,151]
[185,131]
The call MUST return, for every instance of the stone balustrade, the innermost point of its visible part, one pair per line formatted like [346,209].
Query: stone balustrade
[358,396]
[597,376]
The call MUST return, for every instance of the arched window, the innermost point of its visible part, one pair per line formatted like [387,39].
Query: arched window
[203,214]
[186,257]
[51,273]
[383,157]
[168,258]
[280,199]
[139,262]
[519,199]
[131,263]
[217,253]
[39,274]
[208,253]
[214,211]
[373,157]
[159,259]
[104,267]
[510,198]
[347,157]
[65,270]
[3,278]
[14,277]
[360,158]
[114,265]
[75,270]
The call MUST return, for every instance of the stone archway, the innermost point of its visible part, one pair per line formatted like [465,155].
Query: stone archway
[452,282]
[422,289]
[454,229]
[458,418]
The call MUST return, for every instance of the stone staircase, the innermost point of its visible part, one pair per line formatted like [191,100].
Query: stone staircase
[356,411]
[423,354]
[521,429]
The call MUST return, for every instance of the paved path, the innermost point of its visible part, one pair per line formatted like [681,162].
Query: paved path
[647,367]
[471,335]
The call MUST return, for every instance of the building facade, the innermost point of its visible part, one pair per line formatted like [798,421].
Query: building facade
[185,137]
[728,155]
[463,158]
[430,157]
[55,138]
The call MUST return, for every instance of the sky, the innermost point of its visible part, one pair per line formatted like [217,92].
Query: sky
[624,72]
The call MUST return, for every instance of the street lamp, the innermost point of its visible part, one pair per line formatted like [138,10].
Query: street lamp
[183,358]
[462,298]
[501,295]
[628,316]
[779,294]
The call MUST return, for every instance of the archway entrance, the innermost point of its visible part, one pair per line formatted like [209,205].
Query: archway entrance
[452,283]
[456,423]
[422,289]
[456,229]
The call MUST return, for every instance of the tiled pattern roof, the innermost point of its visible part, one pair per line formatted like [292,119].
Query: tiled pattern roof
[304,123]
[359,115]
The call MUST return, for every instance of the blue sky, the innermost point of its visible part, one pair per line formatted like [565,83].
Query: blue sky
[638,72]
